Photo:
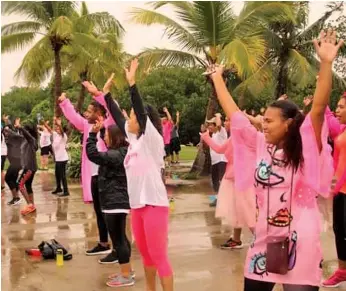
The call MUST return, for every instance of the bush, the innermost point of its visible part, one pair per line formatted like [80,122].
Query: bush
[75,164]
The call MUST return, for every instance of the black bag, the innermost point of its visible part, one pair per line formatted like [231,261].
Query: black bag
[49,250]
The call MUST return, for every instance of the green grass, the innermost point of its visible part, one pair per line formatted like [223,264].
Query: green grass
[188,153]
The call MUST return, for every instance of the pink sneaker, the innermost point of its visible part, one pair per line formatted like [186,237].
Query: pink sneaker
[336,279]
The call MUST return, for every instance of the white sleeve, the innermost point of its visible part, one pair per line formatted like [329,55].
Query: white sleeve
[153,141]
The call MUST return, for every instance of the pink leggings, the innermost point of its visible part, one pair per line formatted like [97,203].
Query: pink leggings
[150,229]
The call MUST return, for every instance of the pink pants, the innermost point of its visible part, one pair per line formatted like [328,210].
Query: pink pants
[150,229]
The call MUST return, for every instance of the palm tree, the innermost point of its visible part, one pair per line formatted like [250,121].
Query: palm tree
[208,32]
[291,50]
[55,22]
[96,62]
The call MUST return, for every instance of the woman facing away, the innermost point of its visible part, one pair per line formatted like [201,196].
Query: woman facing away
[144,164]
[114,199]
[337,128]
[59,144]
[236,208]
[293,162]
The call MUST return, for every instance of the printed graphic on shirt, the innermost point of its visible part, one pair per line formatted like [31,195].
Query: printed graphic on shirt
[266,177]
[292,257]
[282,218]
[258,264]
[282,197]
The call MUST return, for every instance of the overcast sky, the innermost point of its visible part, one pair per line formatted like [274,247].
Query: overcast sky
[137,36]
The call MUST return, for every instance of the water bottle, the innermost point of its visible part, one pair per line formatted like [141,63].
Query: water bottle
[171,204]
[59,258]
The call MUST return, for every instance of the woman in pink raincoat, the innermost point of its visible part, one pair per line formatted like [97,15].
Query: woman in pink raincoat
[291,161]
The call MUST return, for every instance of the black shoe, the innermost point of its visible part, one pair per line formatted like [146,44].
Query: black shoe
[14,201]
[98,250]
[213,204]
[57,191]
[64,194]
[112,258]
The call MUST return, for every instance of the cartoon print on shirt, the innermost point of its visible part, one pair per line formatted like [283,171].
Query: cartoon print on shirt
[258,264]
[282,197]
[264,173]
[292,256]
[282,218]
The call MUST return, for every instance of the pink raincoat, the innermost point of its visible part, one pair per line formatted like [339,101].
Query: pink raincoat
[251,153]
[84,127]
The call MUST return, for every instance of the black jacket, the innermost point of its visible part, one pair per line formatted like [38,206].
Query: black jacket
[112,181]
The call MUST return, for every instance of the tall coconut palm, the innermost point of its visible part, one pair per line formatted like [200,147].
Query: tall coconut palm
[96,62]
[54,21]
[291,49]
[208,32]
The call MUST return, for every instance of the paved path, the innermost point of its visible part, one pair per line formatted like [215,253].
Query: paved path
[193,240]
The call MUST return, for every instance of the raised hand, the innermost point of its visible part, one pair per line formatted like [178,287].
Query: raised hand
[57,121]
[62,97]
[214,70]
[165,110]
[91,88]
[108,84]
[131,72]
[97,126]
[178,113]
[17,123]
[327,47]
[283,97]
[307,100]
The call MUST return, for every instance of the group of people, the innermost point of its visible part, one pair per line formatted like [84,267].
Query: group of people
[267,172]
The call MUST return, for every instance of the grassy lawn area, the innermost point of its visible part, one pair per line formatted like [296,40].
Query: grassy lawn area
[188,153]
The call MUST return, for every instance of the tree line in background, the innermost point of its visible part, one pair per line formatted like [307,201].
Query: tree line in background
[267,50]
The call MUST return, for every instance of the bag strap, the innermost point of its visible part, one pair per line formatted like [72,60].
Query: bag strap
[268,194]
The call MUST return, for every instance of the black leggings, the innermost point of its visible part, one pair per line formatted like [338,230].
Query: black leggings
[253,285]
[60,175]
[11,177]
[101,224]
[25,181]
[116,224]
[217,172]
[339,225]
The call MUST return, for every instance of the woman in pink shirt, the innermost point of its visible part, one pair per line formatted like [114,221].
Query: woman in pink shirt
[291,161]
[237,209]
[337,128]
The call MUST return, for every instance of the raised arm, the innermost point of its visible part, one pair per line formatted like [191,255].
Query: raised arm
[218,121]
[105,99]
[70,113]
[169,116]
[177,121]
[100,158]
[136,100]
[225,98]
[334,126]
[327,50]
[30,139]
[220,149]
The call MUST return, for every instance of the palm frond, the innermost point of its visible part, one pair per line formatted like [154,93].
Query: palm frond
[32,9]
[260,13]
[62,8]
[247,54]
[300,71]
[84,9]
[16,41]
[180,5]
[212,22]
[154,57]
[21,26]
[37,63]
[174,31]
[314,29]
[257,82]
[102,22]
[62,27]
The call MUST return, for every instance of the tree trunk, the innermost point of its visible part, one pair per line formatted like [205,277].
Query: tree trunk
[282,81]
[57,83]
[202,163]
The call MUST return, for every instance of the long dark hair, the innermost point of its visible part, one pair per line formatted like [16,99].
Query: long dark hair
[292,145]
[116,137]
[32,129]
[154,117]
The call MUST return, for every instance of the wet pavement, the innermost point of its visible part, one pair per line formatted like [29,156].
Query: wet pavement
[193,244]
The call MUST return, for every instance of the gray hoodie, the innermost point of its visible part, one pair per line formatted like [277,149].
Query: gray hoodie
[14,141]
